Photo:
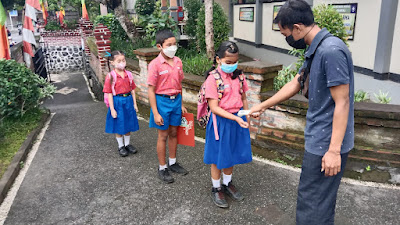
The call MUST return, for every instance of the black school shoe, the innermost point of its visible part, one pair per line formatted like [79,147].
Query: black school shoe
[218,197]
[232,192]
[122,151]
[176,168]
[165,176]
[131,149]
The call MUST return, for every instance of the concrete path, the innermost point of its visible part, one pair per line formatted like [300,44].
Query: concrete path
[77,177]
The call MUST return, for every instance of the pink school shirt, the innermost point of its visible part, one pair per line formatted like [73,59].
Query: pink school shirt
[166,79]
[231,100]
[122,85]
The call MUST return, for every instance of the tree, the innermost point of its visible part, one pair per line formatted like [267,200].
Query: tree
[12,4]
[208,4]
[120,13]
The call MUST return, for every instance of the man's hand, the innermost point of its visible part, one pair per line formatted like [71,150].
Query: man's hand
[113,113]
[184,110]
[331,163]
[241,122]
[256,111]
[158,119]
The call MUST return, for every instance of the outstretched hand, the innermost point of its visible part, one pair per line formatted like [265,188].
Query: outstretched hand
[256,111]
[242,123]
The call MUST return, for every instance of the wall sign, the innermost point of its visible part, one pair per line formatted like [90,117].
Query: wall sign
[349,13]
[275,26]
[246,14]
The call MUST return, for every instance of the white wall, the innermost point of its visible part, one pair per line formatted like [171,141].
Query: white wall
[363,47]
[242,29]
[395,60]
[269,36]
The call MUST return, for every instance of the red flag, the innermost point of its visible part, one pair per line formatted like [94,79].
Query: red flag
[4,45]
[85,14]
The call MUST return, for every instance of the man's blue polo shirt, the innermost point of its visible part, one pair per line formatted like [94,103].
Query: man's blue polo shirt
[332,66]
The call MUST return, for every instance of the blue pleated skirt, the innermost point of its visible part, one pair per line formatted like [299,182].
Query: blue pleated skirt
[233,146]
[126,120]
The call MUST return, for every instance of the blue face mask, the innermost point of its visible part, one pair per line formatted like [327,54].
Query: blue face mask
[229,68]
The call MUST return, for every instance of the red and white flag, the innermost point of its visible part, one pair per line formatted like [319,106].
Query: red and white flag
[27,32]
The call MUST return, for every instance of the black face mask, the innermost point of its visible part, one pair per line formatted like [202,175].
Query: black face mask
[299,44]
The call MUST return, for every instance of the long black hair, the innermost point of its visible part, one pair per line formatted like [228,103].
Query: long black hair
[111,57]
[226,46]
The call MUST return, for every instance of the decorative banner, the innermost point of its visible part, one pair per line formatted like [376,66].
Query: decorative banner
[27,32]
[4,45]
[186,130]
[246,14]
[43,4]
[349,13]
[275,26]
[61,15]
[85,14]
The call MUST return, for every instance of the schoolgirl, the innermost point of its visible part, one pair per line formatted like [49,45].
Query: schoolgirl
[120,93]
[230,145]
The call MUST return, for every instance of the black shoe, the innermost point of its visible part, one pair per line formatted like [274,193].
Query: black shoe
[232,192]
[176,168]
[218,197]
[123,152]
[131,149]
[165,176]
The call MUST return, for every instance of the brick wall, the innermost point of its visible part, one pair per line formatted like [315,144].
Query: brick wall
[62,38]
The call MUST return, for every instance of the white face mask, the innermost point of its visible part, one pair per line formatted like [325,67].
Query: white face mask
[170,51]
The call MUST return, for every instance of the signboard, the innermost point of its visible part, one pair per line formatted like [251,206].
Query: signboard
[246,14]
[186,130]
[13,13]
[349,13]
[275,26]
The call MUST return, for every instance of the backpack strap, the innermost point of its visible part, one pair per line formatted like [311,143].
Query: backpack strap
[220,83]
[129,76]
[114,80]
[241,79]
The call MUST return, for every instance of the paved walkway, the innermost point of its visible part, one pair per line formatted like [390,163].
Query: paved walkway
[77,177]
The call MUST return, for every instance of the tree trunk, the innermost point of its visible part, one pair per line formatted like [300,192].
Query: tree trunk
[120,13]
[208,4]
[126,23]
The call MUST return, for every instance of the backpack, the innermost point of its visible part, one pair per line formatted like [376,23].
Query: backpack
[203,110]
[114,79]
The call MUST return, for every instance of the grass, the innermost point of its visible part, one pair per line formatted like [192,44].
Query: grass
[14,132]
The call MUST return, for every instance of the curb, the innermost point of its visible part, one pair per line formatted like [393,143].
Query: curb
[13,169]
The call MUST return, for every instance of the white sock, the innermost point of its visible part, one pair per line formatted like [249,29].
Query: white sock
[226,179]
[216,183]
[120,142]
[127,139]
[172,161]
[163,167]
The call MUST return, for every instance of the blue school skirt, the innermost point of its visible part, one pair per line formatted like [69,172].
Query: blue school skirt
[126,120]
[233,146]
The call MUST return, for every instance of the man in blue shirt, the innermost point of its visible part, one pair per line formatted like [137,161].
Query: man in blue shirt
[329,133]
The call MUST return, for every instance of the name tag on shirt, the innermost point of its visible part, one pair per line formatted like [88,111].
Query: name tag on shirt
[163,72]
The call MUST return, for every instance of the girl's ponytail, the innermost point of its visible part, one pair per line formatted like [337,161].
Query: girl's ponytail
[212,68]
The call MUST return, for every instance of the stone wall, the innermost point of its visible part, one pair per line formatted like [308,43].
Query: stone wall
[63,50]
[17,53]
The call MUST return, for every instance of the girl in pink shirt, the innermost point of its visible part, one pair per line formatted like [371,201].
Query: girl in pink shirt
[233,145]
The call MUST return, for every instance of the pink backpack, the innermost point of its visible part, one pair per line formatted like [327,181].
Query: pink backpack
[114,79]
[203,110]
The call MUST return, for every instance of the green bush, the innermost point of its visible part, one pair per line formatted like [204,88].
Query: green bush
[71,24]
[52,26]
[360,96]
[221,27]
[128,47]
[111,22]
[20,89]
[382,97]
[194,62]
[192,8]
[145,7]
[155,23]
[284,76]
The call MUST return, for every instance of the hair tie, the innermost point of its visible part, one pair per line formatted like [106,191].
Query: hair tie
[108,54]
